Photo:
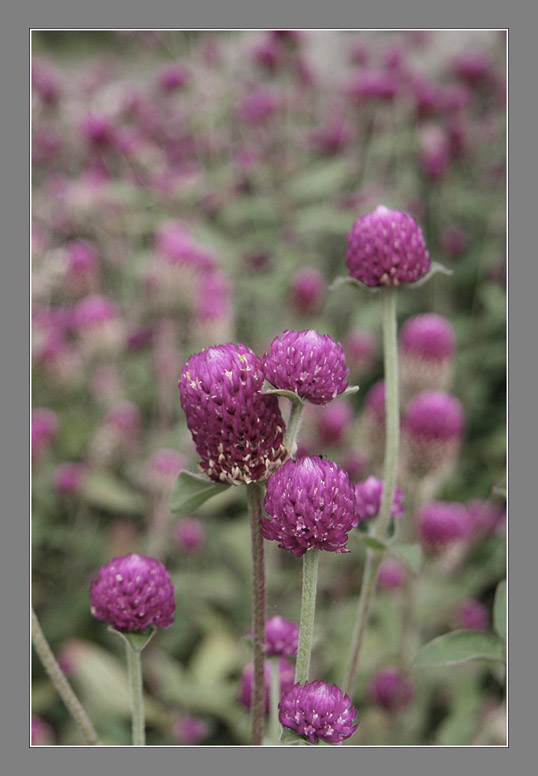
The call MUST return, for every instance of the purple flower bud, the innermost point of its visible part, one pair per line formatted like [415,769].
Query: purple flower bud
[333,423]
[361,351]
[98,131]
[282,637]
[369,494]
[311,365]
[433,428]
[307,291]
[132,593]
[310,503]
[387,248]
[189,535]
[441,523]
[428,336]
[68,478]
[237,430]
[472,615]
[287,676]
[189,731]
[41,733]
[94,310]
[318,711]
[391,689]
[391,574]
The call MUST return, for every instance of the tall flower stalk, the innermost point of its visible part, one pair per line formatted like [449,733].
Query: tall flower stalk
[61,684]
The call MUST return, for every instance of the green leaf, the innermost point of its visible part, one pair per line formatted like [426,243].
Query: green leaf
[348,281]
[499,610]
[459,647]
[411,554]
[291,395]
[350,390]
[373,543]
[104,490]
[191,490]
[136,640]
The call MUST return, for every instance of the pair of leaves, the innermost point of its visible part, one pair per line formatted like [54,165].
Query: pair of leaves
[463,645]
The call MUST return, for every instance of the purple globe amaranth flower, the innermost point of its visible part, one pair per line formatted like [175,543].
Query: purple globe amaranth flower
[287,675]
[282,636]
[132,593]
[370,84]
[441,523]
[311,365]
[190,535]
[391,689]
[472,615]
[190,730]
[433,428]
[387,248]
[392,574]
[333,422]
[68,477]
[427,345]
[45,427]
[319,711]
[173,77]
[310,504]
[369,494]
[307,291]
[237,430]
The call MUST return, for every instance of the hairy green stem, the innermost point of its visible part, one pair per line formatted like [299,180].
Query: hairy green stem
[392,441]
[257,707]
[61,684]
[134,667]
[292,428]
[308,610]
[275,699]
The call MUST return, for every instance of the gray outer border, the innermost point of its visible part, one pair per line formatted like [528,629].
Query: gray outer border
[15,312]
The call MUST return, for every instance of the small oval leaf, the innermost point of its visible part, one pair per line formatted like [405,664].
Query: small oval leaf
[499,610]
[459,647]
[191,490]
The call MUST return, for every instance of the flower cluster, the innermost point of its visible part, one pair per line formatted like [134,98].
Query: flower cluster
[318,711]
[238,431]
[132,593]
[310,504]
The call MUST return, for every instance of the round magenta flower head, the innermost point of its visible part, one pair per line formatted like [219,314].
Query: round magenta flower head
[391,689]
[441,523]
[190,730]
[287,675]
[334,422]
[132,593]
[190,535]
[307,291]
[387,248]
[392,574]
[282,637]
[318,711]
[369,494]
[472,615]
[237,430]
[433,428]
[68,478]
[310,504]
[427,346]
[311,365]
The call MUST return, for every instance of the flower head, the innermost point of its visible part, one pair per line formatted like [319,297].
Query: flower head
[473,615]
[310,364]
[318,711]
[282,636]
[391,574]
[132,593]
[310,503]
[307,291]
[387,248]
[189,535]
[441,523]
[237,430]
[391,689]
[433,428]
[287,675]
[428,336]
[369,494]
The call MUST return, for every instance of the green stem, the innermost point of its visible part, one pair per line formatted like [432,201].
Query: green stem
[292,428]
[134,667]
[257,707]
[61,684]
[392,440]
[308,609]
[275,699]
